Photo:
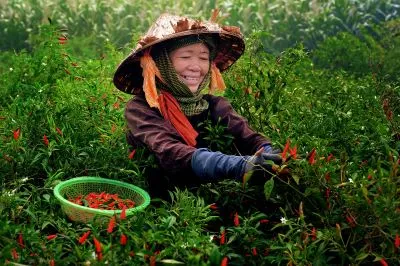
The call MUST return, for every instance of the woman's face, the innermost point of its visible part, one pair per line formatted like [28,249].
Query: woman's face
[191,63]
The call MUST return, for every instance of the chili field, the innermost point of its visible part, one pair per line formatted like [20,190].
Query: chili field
[319,78]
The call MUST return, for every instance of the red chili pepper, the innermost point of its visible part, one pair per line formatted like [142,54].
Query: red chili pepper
[329,158]
[99,256]
[214,206]
[327,193]
[104,201]
[17,133]
[397,241]
[50,237]
[314,234]
[83,238]
[327,177]
[21,240]
[132,154]
[45,140]
[52,262]
[293,152]
[351,221]
[224,261]
[123,240]
[152,261]
[59,131]
[254,251]
[123,213]
[311,159]
[236,221]
[264,221]
[222,238]
[286,149]
[130,203]
[383,262]
[14,254]
[97,245]
[111,225]
[62,40]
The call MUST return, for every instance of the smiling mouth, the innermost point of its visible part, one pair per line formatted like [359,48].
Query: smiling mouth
[192,79]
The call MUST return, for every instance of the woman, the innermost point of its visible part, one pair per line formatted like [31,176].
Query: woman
[167,72]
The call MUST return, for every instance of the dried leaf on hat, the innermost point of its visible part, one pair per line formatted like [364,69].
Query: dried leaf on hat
[181,25]
[214,15]
[197,25]
[147,40]
[232,29]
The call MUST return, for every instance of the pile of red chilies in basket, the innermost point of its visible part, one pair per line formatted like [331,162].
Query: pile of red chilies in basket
[103,201]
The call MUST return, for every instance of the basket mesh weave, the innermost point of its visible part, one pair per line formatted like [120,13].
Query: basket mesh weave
[75,187]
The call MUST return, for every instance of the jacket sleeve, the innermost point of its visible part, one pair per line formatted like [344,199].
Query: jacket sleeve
[148,127]
[245,138]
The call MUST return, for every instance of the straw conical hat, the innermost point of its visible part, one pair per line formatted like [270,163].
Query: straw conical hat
[230,46]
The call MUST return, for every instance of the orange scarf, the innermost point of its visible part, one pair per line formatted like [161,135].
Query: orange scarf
[171,111]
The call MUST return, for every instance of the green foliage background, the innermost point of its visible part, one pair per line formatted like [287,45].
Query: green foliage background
[323,74]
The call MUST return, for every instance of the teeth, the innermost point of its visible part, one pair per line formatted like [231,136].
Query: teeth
[188,78]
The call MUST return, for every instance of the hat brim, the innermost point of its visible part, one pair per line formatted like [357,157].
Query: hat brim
[128,76]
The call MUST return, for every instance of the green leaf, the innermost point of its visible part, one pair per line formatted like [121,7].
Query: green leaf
[45,224]
[268,187]
[171,261]
[246,177]
[215,257]
[296,179]
[365,192]
[362,256]
[46,197]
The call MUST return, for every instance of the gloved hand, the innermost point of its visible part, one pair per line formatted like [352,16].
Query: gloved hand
[263,160]
[211,166]
[261,166]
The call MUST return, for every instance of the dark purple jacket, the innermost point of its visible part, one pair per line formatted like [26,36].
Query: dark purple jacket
[148,128]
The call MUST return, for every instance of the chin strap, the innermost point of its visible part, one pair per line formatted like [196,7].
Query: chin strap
[217,82]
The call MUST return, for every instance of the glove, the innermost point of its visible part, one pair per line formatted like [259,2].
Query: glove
[260,166]
[211,166]
[268,149]
[263,160]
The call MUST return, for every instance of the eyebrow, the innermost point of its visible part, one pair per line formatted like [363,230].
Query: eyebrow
[191,51]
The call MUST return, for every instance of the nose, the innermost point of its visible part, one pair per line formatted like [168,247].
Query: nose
[195,65]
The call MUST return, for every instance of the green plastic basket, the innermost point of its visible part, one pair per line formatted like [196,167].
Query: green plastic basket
[84,185]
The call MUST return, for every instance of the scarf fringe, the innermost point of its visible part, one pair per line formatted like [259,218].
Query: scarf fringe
[150,71]
[217,82]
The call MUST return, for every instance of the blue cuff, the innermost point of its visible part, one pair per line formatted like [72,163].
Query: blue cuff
[212,166]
